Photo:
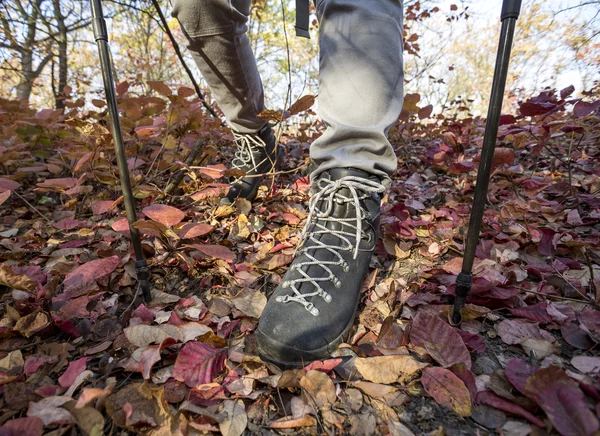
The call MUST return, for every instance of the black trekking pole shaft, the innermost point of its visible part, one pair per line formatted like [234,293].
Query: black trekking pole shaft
[464,281]
[101,37]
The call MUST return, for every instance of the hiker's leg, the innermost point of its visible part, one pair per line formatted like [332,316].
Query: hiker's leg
[216,34]
[312,310]
[361,84]
[217,39]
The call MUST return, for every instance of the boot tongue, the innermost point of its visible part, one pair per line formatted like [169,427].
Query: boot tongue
[346,209]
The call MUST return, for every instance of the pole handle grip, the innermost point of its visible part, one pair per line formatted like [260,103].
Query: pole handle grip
[510,9]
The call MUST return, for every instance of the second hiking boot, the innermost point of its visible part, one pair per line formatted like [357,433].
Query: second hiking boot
[257,155]
[313,308]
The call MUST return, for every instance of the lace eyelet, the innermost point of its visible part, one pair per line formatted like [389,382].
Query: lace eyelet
[312,309]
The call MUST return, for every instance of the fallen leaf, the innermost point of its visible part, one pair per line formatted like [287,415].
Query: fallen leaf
[86,274]
[586,364]
[30,426]
[90,394]
[215,251]
[439,339]
[166,215]
[250,302]
[199,364]
[75,368]
[447,390]
[319,389]
[193,230]
[148,407]
[16,281]
[388,369]
[236,420]
[562,400]
[32,323]
[517,371]
[290,422]
[518,331]
[49,410]
[142,335]
[491,399]
[12,361]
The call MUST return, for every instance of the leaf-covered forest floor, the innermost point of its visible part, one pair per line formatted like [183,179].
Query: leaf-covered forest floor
[81,353]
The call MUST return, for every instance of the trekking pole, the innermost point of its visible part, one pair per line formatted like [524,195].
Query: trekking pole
[101,37]
[464,281]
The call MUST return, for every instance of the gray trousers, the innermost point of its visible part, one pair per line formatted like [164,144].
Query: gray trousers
[360,75]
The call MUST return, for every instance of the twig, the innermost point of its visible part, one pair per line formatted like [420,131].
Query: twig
[32,207]
[569,283]
[178,177]
[180,56]
[558,297]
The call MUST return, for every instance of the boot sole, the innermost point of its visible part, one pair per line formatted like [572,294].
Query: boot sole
[324,351]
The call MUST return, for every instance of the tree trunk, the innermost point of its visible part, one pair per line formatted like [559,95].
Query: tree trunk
[62,55]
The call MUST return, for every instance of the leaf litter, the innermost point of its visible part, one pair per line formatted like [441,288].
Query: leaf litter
[81,352]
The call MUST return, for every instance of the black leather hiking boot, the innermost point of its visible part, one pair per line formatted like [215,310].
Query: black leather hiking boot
[257,155]
[313,308]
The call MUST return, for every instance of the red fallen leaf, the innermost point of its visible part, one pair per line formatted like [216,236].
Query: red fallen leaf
[167,215]
[517,372]
[576,337]
[83,160]
[64,183]
[325,365]
[547,244]
[461,167]
[562,400]
[121,225]
[48,390]
[447,390]
[210,191]
[194,230]
[144,313]
[89,272]
[489,398]
[472,341]
[467,377]
[208,395]
[290,218]
[73,370]
[507,119]
[215,251]
[30,426]
[8,185]
[5,195]
[503,155]
[69,224]
[536,312]
[518,331]
[34,362]
[198,364]
[213,171]
[439,339]
[101,207]
[151,355]
[590,323]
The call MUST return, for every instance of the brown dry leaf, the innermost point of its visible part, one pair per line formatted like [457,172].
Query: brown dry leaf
[236,419]
[283,423]
[250,302]
[319,389]
[32,323]
[148,407]
[89,420]
[388,369]
[49,410]
[16,281]
[302,104]
[90,394]
[447,389]
[143,335]
[12,361]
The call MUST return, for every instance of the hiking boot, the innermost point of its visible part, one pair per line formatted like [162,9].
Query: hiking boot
[312,310]
[257,155]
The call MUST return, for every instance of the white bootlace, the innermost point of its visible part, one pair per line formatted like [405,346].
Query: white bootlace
[248,145]
[329,194]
